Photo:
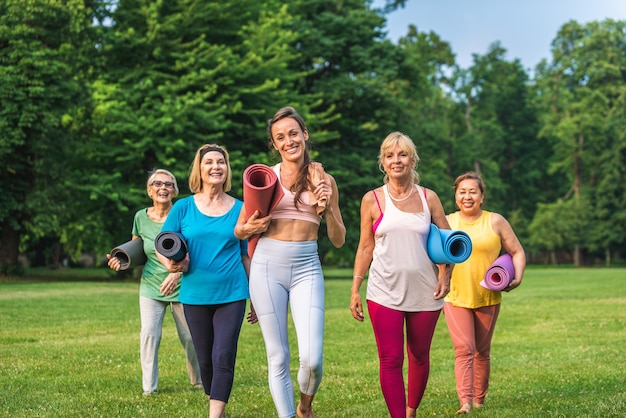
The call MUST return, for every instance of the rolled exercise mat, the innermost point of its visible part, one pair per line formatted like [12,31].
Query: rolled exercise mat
[261,191]
[130,254]
[172,245]
[447,246]
[500,274]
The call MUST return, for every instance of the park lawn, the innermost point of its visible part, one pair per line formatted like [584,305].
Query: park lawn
[70,349]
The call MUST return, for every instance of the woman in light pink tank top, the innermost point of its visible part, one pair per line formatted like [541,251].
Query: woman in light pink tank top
[405,290]
[286,270]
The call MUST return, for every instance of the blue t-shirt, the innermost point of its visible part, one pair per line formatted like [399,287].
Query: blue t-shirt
[216,273]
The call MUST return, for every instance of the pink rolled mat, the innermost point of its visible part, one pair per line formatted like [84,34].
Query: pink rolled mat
[261,191]
[500,274]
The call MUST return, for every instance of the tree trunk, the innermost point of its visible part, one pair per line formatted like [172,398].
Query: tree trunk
[9,243]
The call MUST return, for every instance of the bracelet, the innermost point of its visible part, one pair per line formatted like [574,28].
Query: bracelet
[357,277]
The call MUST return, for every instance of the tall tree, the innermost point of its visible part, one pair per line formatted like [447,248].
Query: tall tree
[581,93]
[46,53]
[182,73]
[499,137]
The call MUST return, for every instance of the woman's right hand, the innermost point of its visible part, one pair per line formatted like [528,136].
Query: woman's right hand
[356,307]
[114,263]
[257,225]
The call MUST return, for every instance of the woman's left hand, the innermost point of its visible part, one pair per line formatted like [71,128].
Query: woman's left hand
[323,190]
[252,318]
[442,289]
[169,284]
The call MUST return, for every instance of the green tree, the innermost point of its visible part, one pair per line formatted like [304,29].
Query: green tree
[183,73]
[46,54]
[581,94]
[499,137]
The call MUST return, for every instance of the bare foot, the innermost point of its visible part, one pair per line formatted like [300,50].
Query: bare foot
[304,414]
[466,408]
[477,405]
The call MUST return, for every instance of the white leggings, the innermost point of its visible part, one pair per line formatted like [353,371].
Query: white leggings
[281,274]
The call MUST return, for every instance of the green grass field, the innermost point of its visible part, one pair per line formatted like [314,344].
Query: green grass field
[70,349]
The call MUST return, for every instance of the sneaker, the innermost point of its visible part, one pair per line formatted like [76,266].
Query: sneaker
[150,392]
[198,386]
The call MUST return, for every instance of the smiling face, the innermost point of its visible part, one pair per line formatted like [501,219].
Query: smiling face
[469,197]
[213,168]
[161,188]
[289,139]
[397,162]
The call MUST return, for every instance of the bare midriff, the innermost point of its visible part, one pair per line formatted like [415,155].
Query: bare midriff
[292,230]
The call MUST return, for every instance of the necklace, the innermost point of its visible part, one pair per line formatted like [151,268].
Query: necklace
[402,199]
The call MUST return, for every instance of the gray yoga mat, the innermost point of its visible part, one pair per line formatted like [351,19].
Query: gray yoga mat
[172,245]
[130,254]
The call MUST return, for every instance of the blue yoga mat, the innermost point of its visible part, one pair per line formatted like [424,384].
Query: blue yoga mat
[172,245]
[447,246]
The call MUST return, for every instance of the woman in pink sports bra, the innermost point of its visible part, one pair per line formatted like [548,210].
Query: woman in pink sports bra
[405,290]
[286,268]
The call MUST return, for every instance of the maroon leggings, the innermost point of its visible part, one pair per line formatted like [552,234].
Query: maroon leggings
[388,327]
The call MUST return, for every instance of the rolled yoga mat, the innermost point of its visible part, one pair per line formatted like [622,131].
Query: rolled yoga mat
[447,246]
[261,191]
[130,254]
[500,274]
[172,245]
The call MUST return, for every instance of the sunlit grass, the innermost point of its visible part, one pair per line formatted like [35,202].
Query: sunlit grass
[70,349]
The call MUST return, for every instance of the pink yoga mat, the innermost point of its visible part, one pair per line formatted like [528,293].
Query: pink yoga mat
[261,191]
[500,274]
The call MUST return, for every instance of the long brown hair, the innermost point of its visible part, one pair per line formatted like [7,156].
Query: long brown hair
[303,181]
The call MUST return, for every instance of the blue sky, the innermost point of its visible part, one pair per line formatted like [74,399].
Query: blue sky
[524,28]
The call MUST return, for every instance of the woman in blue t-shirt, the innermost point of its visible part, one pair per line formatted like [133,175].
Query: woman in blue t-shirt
[215,270]
[158,288]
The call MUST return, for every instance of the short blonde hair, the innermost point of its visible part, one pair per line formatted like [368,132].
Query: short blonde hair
[153,174]
[407,145]
[195,177]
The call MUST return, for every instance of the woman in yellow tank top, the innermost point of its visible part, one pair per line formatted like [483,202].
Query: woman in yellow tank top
[471,310]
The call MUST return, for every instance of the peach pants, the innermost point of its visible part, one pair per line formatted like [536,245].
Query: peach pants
[471,331]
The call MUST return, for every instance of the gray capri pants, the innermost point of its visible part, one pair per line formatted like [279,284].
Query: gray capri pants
[289,273]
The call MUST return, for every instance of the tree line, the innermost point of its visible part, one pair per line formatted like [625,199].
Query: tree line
[96,93]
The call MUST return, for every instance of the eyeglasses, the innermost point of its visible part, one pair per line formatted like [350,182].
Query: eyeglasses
[158,184]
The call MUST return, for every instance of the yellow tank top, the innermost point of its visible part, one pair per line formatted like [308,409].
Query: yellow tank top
[465,288]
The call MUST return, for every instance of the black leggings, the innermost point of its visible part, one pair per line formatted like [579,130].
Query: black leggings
[215,332]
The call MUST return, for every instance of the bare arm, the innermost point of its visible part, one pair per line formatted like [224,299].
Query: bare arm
[246,227]
[512,246]
[334,222]
[174,266]
[364,253]
[438,216]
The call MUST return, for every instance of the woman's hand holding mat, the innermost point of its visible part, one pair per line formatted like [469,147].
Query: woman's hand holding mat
[500,274]
[261,192]
[130,254]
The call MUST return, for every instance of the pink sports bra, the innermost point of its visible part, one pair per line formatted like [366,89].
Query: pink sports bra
[286,208]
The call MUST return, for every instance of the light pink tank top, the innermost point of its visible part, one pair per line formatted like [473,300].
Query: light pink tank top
[286,208]
[402,276]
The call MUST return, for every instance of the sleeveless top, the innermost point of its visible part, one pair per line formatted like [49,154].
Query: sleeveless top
[286,208]
[402,276]
[465,288]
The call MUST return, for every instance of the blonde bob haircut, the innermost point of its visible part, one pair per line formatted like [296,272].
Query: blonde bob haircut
[195,176]
[406,144]
[152,174]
